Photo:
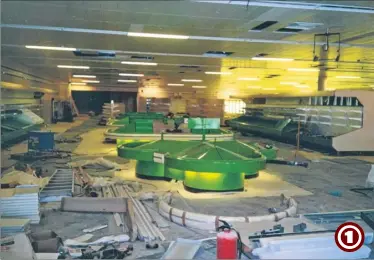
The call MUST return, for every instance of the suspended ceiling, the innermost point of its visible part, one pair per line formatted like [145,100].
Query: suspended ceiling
[211,26]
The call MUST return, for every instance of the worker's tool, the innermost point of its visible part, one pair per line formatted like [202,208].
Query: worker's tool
[151,245]
[275,230]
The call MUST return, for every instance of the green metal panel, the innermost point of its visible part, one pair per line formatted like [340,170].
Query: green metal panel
[174,174]
[214,181]
[203,123]
[145,169]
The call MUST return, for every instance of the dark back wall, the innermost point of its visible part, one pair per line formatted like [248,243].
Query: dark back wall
[93,100]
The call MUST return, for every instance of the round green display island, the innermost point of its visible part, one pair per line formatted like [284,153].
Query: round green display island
[201,165]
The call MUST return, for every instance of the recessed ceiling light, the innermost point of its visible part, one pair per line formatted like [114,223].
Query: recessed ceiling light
[78,83]
[272,59]
[217,73]
[348,77]
[191,80]
[175,84]
[269,89]
[158,35]
[139,63]
[72,67]
[131,75]
[254,87]
[84,76]
[50,48]
[198,86]
[91,81]
[249,79]
[127,80]
[303,69]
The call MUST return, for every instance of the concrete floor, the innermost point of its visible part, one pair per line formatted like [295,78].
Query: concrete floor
[310,187]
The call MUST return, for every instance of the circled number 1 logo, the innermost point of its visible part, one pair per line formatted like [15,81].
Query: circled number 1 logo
[349,237]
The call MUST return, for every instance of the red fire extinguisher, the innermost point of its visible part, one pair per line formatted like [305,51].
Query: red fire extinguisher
[228,242]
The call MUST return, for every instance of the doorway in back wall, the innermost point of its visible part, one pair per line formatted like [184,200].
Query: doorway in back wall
[94,100]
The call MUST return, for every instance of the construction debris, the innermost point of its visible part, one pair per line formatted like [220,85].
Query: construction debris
[60,185]
[118,219]
[89,230]
[98,164]
[94,204]
[21,202]
[45,242]
[10,226]
[22,178]
[101,241]
[182,248]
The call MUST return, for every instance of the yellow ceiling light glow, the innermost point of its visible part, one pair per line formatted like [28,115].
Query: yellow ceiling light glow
[302,86]
[272,59]
[254,87]
[306,90]
[249,79]
[84,76]
[78,83]
[72,67]
[175,84]
[303,69]
[91,81]
[131,75]
[289,83]
[127,80]
[348,77]
[269,89]
[50,48]
[218,73]
[198,86]
[139,63]
[330,89]
[158,35]
[191,80]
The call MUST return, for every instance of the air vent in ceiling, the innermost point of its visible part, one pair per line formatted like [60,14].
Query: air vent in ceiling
[217,54]
[299,26]
[136,57]
[105,54]
[263,25]
[189,66]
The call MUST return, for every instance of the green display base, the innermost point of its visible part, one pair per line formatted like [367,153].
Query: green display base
[174,174]
[213,181]
[149,169]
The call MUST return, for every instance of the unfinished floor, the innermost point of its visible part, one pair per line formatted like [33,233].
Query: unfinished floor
[323,187]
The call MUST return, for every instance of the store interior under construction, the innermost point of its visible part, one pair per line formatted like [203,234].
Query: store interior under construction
[158,129]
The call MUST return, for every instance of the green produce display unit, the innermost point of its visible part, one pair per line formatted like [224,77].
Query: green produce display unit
[130,117]
[201,165]
[195,129]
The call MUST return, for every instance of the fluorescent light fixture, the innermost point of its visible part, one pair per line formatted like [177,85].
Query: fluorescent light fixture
[330,89]
[139,63]
[303,69]
[127,80]
[306,90]
[50,48]
[269,89]
[348,77]
[217,73]
[91,81]
[84,76]
[254,87]
[158,35]
[78,83]
[72,67]
[175,84]
[249,79]
[198,86]
[131,75]
[289,83]
[271,59]
[191,80]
